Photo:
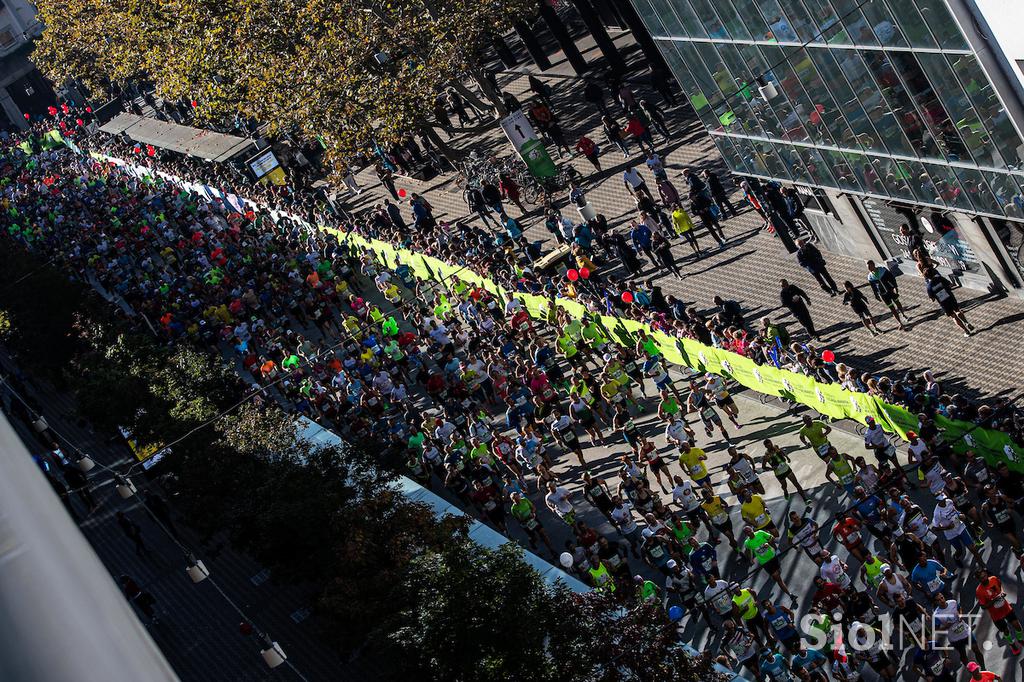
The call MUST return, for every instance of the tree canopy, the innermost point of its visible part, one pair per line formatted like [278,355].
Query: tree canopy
[349,71]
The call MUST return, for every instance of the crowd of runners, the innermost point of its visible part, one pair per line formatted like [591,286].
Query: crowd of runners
[484,401]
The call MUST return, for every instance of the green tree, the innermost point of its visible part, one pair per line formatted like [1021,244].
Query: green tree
[349,71]
[470,613]
[600,640]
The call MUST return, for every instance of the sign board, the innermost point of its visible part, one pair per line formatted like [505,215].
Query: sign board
[521,134]
[265,167]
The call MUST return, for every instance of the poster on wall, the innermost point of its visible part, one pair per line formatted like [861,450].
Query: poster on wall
[938,231]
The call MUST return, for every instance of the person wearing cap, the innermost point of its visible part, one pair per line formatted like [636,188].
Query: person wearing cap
[876,440]
[979,675]
[646,590]
[655,550]
[684,583]
[891,585]
[917,449]
[948,519]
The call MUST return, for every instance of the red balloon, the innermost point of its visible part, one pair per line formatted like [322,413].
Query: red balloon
[402,193]
[828,356]
[27,116]
[573,275]
[64,108]
[245,628]
[627,297]
[195,104]
[52,111]
[585,273]
[80,122]
[88,110]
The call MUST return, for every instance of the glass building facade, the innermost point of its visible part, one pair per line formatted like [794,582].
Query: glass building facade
[876,97]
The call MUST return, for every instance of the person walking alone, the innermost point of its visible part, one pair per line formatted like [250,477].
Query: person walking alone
[797,302]
[853,297]
[132,531]
[940,290]
[811,260]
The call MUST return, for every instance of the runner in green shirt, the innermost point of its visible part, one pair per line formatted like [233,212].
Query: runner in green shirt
[762,546]
[814,434]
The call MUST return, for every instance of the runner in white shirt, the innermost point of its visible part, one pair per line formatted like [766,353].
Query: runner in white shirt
[949,520]
[558,501]
[892,585]
[833,570]
[947,619]
[675,431]
[719,595]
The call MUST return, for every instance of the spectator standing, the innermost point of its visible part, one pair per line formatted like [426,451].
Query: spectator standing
[662,249]
[656,118]
[476,203]
[661,82]
[682,224]
[510,190]
[132,531]
[492,196]
[640,133]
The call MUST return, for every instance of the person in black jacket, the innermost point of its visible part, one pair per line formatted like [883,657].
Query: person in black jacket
[476,203]
[811,260]
[797,302]
[940,290]
[718,192]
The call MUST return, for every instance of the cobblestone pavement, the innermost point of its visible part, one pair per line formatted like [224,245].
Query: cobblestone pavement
[750,267]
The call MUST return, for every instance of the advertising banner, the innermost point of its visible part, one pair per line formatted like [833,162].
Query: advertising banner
[521,134]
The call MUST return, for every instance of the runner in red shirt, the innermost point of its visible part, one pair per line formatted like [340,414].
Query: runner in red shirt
[848,530]
[991,596]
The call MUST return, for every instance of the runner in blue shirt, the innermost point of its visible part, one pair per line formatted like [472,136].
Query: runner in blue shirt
[929,575]
[811,660]
[774,667]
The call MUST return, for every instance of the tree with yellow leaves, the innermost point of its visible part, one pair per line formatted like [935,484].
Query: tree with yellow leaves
[350,71]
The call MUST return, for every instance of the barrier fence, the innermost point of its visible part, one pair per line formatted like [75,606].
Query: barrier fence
[827,399]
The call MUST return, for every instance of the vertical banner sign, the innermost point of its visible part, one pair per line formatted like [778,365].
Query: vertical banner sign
[520,133]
